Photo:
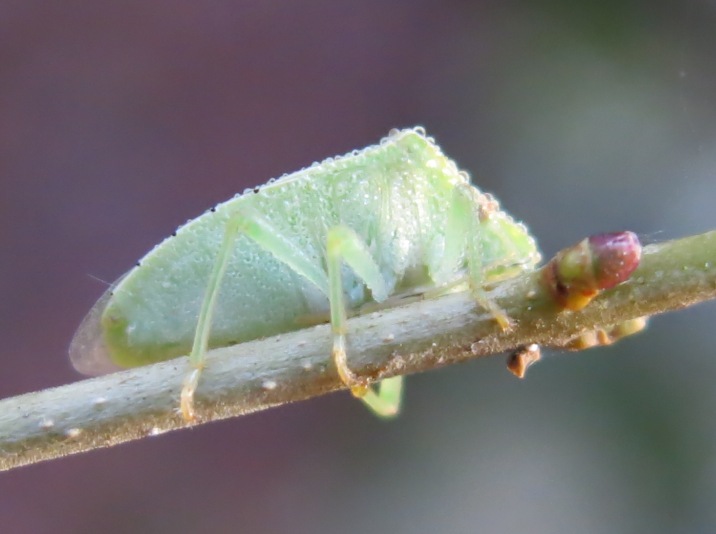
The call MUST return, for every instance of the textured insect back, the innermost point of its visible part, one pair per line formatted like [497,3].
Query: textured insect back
[507,245]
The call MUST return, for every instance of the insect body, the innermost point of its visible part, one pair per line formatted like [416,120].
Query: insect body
[391,219]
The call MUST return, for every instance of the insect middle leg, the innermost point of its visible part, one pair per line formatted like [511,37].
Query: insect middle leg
[344,245]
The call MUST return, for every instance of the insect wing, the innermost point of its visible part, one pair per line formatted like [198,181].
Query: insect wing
[88,351]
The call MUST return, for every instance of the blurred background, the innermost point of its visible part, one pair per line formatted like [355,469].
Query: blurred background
[121,120]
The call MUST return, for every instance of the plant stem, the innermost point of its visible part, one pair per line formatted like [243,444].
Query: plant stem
[423,335]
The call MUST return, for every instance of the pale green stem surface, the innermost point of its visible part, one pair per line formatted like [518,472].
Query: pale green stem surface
[424,335]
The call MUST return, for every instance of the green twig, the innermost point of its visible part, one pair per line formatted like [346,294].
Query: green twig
[423,335]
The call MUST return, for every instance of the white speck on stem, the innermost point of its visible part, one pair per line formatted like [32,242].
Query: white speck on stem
[72,433]
[46,424]
[269,385]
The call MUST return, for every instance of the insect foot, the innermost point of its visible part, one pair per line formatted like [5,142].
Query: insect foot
[359,387]
[187,395]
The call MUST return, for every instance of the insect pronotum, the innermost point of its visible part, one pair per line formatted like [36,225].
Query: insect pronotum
[393,219]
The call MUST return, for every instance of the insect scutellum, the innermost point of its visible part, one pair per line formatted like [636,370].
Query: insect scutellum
[391,219]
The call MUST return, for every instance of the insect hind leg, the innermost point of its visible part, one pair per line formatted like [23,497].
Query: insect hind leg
[343,244]
[256,227]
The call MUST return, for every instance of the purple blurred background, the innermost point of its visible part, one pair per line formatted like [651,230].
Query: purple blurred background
[119,121]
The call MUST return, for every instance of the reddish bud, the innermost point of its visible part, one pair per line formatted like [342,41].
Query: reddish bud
[578,273]
[615,257]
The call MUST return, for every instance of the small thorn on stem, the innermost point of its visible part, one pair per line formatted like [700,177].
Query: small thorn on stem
[520,360]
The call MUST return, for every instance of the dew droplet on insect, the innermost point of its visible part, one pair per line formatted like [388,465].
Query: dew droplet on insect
[269,385]
[155,431]
[388,338]
[99,402]
[307,366]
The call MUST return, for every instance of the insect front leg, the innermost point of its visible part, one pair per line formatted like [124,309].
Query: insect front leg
[343,244]
[203,326]
[254,226]
[468,211]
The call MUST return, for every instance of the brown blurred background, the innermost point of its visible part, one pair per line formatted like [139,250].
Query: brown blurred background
[119,121]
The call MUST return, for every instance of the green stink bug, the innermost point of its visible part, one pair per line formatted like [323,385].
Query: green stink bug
[392,219]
